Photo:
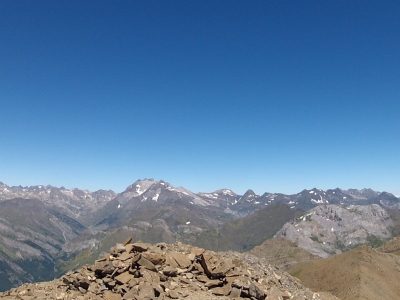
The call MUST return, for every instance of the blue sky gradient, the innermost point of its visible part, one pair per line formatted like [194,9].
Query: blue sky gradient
[275,96]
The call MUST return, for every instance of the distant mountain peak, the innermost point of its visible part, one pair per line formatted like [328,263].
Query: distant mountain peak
[249,196]
[3,185]
[225,192]
[140,186]
[250,192]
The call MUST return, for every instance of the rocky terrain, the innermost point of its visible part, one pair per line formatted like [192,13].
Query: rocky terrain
[362,273]
[392,246]
[331,229]
[282,253]
[46,231]
[81,204]
[239,234]
[144,271]
[74,203]
[31,236]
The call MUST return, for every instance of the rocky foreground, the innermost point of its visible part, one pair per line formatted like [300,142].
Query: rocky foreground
[143,271]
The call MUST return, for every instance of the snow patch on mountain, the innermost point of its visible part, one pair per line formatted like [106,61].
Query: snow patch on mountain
[143,185]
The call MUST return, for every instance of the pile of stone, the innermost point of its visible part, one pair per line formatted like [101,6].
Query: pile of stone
[141,271]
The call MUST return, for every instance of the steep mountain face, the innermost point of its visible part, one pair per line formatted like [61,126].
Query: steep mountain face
[35,223]
[160,191]
[159,201]
[244,233]
[330,229]
[31,235]
[387,200]
[362,194]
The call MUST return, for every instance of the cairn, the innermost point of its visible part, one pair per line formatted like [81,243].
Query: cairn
[139,271]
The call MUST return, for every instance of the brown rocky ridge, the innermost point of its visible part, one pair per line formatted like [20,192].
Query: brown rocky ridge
[392,246]
[282,253]
[143,271]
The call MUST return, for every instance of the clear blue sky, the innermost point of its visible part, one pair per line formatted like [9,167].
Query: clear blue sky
[276,96]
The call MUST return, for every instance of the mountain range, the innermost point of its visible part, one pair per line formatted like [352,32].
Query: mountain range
[46,231]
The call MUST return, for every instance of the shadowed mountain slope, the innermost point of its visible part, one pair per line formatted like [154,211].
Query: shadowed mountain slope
[245,233]
[238,235]
[31,235]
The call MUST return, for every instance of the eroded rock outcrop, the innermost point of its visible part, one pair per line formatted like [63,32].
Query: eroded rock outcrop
[143,271]
[331,229]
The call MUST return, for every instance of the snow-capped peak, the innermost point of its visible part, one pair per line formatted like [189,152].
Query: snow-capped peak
[140,186]
[225,192]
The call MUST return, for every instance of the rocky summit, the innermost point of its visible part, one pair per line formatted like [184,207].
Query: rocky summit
[162,271]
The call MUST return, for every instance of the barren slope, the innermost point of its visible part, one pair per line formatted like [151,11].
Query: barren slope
[392,246]
[362,273]
[282,253]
